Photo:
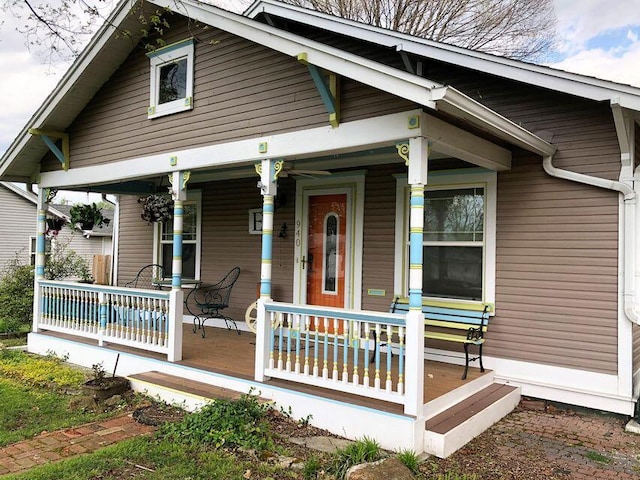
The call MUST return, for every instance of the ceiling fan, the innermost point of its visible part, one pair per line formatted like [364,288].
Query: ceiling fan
[290,170]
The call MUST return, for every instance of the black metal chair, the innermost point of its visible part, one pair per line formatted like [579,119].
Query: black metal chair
[207,301]
[147,277]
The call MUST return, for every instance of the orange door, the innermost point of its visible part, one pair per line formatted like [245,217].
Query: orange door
[326,251]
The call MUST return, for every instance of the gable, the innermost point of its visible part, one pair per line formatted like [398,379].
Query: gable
[241,90]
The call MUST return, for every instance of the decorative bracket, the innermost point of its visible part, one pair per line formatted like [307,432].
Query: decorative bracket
[46,136]
[178,181]
[403,151]
[329,89]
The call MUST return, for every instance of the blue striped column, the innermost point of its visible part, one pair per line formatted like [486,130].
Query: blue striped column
[40,243]
[416,222]
[267,246]
[176,268]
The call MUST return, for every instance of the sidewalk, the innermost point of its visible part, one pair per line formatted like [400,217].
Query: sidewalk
[53,446]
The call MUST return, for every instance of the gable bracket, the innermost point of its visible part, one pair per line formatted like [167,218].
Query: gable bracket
[46,136]
[329,88]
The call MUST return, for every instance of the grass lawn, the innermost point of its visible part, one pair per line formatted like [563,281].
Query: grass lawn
[147,458]
[40,393]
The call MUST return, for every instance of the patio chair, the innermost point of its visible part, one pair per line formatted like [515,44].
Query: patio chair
[207,301]
[147,277]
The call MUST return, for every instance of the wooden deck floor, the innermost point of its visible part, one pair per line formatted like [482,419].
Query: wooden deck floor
[224,351]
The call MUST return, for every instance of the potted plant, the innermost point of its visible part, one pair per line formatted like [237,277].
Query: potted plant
[86,217]
[156,208]
[100,387]
[54,225]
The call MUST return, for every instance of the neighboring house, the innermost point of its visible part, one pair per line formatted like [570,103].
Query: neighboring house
[19,241]
[387,167]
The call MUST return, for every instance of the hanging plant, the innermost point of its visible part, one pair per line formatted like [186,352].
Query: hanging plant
[156,208]
[54,225]
[86,217]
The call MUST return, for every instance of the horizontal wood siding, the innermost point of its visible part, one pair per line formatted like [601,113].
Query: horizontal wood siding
[241,90]
[135,240]
[20,214]
[379,236]
[557,267]
[85,247]
[227,243]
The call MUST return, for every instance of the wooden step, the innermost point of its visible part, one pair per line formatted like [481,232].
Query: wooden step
[179,390]
[454,427]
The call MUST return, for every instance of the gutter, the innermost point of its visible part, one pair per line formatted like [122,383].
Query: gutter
[630,201]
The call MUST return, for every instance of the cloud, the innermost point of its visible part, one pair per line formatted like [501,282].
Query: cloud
[612,64]
[580,21]
[26,84]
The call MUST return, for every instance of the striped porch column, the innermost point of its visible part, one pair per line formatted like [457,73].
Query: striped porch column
[179,193]
[417,154]
[41,228]
[268,170]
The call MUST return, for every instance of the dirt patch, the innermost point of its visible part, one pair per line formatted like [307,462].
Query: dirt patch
[157,414]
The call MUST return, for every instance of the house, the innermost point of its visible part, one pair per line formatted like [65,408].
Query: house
[19,212]
[347,170]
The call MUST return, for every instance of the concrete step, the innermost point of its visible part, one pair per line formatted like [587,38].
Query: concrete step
[189,394]
[454,427]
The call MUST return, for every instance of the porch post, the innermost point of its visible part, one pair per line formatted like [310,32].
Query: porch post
[417,161]
[179,193]
[268,170]
[42,208]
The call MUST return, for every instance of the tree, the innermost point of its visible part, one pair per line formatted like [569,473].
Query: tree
[520,29]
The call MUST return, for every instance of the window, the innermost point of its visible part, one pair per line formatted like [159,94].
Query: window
[453,243]
[32,248]
[171,79]
[459,237]
[190,240]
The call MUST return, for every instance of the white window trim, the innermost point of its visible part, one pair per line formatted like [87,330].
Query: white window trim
[449,179]
[159,58]
[193,196]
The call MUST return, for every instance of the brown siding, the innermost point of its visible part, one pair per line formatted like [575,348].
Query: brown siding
[637,146]
[379,236]
[135,241]
[556,279]
[241,90]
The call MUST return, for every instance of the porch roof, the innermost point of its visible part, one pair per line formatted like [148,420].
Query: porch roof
[107,50]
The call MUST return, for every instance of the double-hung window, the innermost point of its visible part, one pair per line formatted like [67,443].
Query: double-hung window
[191,230]
[459,237]
[171,79]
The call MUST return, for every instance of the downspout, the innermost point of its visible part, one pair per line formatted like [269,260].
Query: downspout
[630,201]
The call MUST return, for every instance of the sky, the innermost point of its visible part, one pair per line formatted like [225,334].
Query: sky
[599,38]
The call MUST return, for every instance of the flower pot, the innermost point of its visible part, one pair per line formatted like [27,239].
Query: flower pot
[107,387]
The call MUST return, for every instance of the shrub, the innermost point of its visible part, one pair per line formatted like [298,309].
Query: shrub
[225,423]
[64,263]
[16,297]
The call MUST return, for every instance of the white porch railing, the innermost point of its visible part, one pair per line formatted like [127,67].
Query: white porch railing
[343,350]
[145,319]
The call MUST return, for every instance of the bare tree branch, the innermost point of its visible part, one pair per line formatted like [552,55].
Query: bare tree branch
[521,29]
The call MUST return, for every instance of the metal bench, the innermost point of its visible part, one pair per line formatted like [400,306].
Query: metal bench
[460,322]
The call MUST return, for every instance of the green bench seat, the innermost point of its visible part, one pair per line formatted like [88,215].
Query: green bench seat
[461,323]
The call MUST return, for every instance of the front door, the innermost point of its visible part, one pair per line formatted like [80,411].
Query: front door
[326,258]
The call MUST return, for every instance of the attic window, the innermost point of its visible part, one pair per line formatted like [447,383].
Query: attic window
[171,79]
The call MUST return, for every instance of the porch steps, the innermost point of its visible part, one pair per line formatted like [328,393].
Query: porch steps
[454,427]
[179,390]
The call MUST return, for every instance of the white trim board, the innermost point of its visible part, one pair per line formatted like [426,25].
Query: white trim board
[349,137]
[560,384]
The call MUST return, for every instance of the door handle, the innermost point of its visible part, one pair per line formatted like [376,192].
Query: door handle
[304,261]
